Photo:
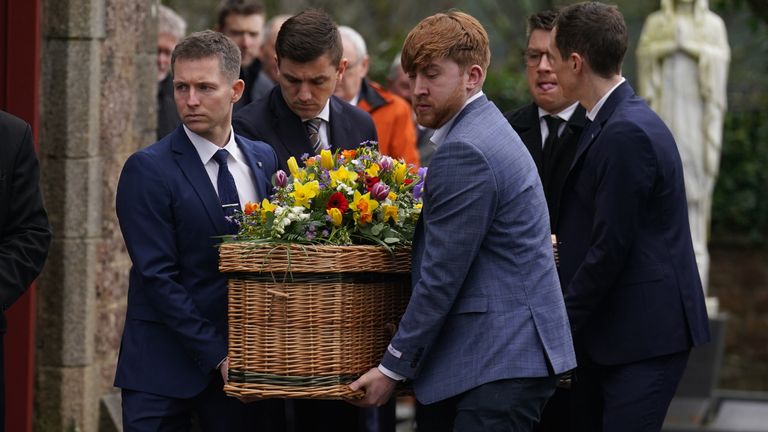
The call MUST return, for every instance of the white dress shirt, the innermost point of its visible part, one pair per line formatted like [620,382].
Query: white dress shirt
[238,166]
[565,114]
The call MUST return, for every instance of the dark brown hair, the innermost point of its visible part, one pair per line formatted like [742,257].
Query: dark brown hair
[308,36]
[542,20]
[595,31]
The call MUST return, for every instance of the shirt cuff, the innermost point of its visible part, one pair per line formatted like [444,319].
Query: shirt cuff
[394,375]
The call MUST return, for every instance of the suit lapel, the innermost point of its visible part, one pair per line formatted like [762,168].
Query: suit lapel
[256,166]
[339,128]
[530,134]
[192,167]
[287,125]
[592,130]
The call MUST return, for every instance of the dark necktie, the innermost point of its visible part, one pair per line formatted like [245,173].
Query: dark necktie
[230,200]
[550,147]
[313,132]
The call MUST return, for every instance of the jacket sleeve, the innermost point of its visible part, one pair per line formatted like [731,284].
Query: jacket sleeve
[25,234]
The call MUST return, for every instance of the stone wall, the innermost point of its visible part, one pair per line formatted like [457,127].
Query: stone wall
[97,107]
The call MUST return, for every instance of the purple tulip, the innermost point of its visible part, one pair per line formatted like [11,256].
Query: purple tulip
[417,189]
[422,173]
[280,179]
[380,191]
[386,163]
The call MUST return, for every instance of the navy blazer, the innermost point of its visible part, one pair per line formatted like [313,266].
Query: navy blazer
[175,326]
[486,302]
[269,119]
[526,123]
[632,288]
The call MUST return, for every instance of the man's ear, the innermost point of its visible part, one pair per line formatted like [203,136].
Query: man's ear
[475,77]
[237,88]
[342,67]
[578,63]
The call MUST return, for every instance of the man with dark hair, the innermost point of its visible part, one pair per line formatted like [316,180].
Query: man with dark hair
[485,334]
[301,115]
[243,21]
[550,127]
[627,264]
[175,200]
[25,234]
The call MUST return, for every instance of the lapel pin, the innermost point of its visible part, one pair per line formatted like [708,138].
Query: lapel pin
[258,163]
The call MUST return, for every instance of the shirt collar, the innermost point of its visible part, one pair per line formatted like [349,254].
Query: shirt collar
[439,136]
[595,109]
[324,114]
[206,149]
[565,114]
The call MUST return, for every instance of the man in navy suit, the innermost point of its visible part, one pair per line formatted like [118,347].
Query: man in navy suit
[309,63]
[175,200]
[632,289]
[485,334]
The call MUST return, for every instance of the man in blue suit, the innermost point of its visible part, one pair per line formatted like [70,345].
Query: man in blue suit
[309,64]
[485,335]
[632,289]
[175,200]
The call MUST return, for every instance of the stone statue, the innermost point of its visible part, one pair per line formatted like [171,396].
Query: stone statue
[683,58]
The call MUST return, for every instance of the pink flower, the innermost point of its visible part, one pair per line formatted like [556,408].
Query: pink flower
[380,191]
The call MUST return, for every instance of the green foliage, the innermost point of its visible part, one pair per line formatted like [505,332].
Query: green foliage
[740,202]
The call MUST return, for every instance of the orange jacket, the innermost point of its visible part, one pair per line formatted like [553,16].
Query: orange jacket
[394,122]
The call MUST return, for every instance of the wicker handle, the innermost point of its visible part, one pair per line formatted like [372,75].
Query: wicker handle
[278,293]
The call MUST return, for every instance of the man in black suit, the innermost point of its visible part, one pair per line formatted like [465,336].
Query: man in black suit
[309,63]
[24,231]
[551,150]
[302,107]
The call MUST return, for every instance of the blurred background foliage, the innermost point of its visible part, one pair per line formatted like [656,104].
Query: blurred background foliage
[740,212]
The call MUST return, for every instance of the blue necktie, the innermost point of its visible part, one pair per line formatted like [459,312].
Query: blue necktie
[228,196]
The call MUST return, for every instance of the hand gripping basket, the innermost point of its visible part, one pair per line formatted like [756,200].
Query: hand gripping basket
[307,320]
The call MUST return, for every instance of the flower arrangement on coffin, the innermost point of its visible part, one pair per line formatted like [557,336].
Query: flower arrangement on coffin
[342,198]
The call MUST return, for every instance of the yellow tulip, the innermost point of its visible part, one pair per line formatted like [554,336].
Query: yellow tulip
[400,170]
[335,215]
[293,166]
[326,159]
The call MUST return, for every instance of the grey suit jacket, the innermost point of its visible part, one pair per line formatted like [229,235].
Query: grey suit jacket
[486,302]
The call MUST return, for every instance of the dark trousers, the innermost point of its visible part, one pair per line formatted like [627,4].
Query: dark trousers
[511,405]
[214,412]
[632,397]
[556,416]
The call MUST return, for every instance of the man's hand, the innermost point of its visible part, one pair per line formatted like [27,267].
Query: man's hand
[224,369]
[377,386]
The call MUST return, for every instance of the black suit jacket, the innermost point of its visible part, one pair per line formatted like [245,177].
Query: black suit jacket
[627,265]
[526,123]
[269,119]
[24,231]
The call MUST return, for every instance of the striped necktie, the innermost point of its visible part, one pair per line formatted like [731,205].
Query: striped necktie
[313,132]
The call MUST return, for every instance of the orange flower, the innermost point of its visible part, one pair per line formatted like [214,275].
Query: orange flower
[250,207]
[349,154]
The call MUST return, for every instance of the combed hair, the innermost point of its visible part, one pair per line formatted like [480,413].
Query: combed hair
[238,7]
[356,39]
[308,36]
[595,31]
[453,35]
[170,22]
[542,20]
[206,44]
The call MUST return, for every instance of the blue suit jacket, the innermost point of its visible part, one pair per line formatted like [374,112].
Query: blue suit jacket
[486,302]
[632,288]
[170,216]
[269,119]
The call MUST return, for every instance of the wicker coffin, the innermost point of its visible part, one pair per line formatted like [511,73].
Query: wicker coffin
[307,320]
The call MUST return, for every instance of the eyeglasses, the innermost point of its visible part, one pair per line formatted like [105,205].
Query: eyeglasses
[533,58]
